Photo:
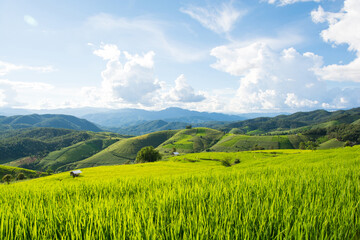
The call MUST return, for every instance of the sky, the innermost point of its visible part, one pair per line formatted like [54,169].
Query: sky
[237,56]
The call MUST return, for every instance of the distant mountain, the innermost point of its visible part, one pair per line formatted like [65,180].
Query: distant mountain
[128,117]
[47,120]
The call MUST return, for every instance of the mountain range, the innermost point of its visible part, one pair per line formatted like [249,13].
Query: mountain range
[129,117]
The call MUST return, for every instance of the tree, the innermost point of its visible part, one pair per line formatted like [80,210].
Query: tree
[147,154]
[188,127]
[302,145]
[310,145]
[20,176]
[7,178]
[49,171]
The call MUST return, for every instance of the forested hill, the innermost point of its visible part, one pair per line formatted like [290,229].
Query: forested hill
[46,120]
[296,120]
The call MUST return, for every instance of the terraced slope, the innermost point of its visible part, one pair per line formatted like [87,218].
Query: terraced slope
[235,143]
[77,152]
[332,143]
[191,140]
[123,150]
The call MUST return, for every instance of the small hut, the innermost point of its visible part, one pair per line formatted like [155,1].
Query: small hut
[175,153]
[75,173]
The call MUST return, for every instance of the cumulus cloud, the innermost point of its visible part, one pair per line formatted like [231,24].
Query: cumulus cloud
[108,52]
[287,2]
[6,68]
[132,81]
[218,19]
[129,79]
[183,92]
[343,28]
[272,80]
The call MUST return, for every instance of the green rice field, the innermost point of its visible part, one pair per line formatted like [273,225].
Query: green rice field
[272,194]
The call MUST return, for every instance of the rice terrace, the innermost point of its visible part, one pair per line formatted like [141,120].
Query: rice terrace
[268,194]
[191,119]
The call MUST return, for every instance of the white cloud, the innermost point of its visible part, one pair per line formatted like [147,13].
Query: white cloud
[287,2]
[129,80]
[219,19]
[132,81]
[272,80]
[344,28]
[6,68]
[183,92]
[108,52]
[293,101]
[31,21]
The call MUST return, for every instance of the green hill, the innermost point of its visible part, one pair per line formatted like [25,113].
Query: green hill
[47,120]
[38,142]
[58,159]
[332,143]
[235,143]
[123,150]
[191,140]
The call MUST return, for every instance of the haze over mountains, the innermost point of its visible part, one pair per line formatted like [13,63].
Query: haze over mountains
[129,116]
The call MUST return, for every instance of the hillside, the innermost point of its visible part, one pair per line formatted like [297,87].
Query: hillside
[47,120]
[123,150]
[191,140]
[293,121]
[14,171]
[36,143]
[235,142]
[267,195]
[56,160]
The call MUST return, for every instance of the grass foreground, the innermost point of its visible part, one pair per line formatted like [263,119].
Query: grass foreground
[277,194]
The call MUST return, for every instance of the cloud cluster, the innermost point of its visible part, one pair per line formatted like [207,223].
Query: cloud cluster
[271,80]
[218,19]
[130,79]
[183,92]
[344,28]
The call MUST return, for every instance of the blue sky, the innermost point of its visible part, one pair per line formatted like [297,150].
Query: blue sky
[218,56]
